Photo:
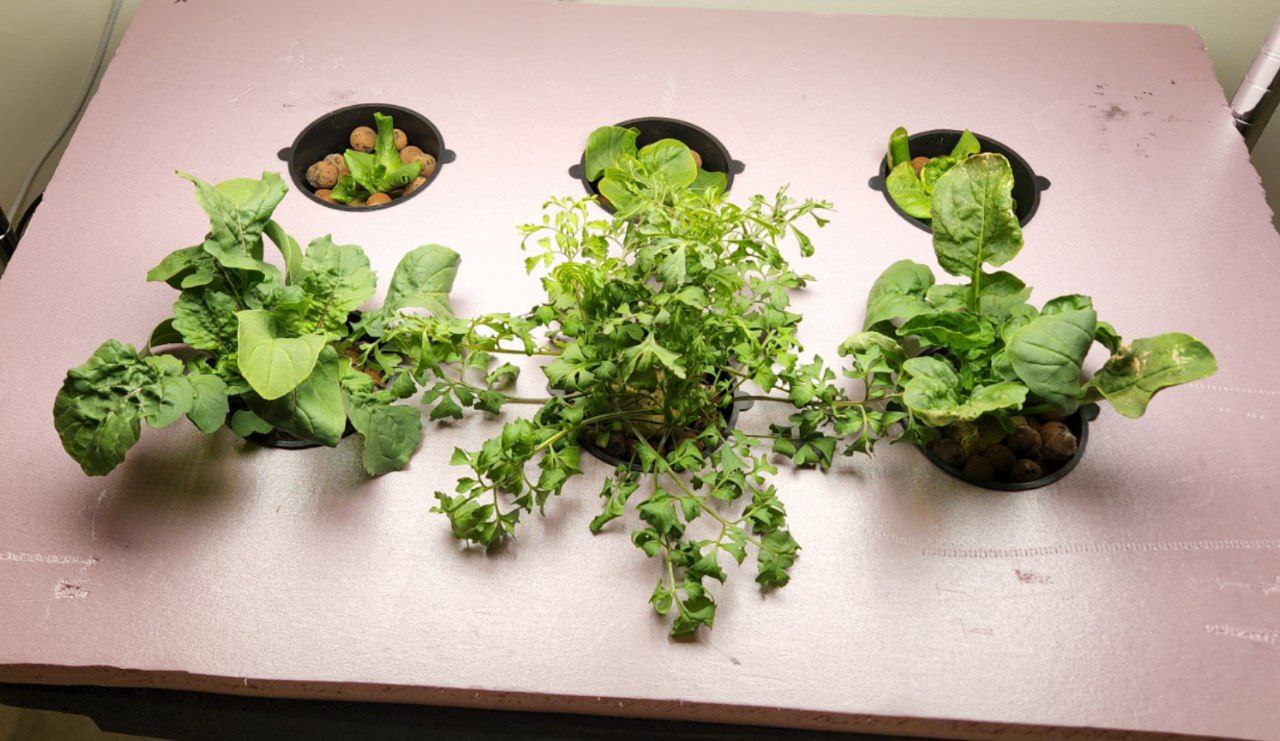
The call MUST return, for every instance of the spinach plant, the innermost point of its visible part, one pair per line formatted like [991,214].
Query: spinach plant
[378,172]
[264,350]
[655,322]
[651,177]
[991,356]
[911,181]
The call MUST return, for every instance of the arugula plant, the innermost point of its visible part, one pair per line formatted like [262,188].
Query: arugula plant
[378,172]
[991,355]
[265,350]
[633,180]
[911,182]
[652,326]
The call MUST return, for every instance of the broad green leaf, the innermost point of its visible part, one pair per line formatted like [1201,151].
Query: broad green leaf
[164,334]
[1144,367]
[289,250]
[209,405]
[312,409]
[96,413]
[906,190]
[206,319]
[973,219]
[899,293]
[967,146]
[670,160]
[424,279]
[950,296]
[605,145]
[235,237]
[168,396]
[1107,336]
[1047,354]
[712,181]
[957,331]
[271,364]
[997,293]
[618,194]
[391,434]
[932,392]
[245,423]
[863,341]
[1000,292]
[189,267]
[338,280]
[237,190]
[1070,302]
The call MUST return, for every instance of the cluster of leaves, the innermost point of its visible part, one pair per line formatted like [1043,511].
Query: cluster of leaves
[262,350]
[911,187]
[378,172]
[635,181]
[988,353]
[657,322]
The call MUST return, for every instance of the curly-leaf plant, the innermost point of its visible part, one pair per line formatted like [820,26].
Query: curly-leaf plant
[989,354]
[265,350]
[655,325]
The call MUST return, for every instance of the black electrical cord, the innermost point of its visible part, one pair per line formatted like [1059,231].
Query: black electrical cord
[26,219]
[11,234]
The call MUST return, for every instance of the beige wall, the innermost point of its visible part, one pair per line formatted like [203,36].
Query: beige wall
[47,47]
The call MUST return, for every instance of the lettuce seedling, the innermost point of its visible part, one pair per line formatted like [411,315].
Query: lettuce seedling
[911,188]
[989,354]
[634,179]
[379,172]
[265,350]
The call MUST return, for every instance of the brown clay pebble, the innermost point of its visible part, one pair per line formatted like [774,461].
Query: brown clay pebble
[1024,471]
[377,199]
[408,154]
[428,165]
[1001,460]
[1059,443]
[418,182]
[325,195]
[1051,417]
[978,468]
[1024,442]
[400,139]
[918,163]
[363,139]
[948,451]
[337,161]
[322,175]
[697,158]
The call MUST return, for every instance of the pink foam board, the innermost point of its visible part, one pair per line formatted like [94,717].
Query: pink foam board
[1141,593]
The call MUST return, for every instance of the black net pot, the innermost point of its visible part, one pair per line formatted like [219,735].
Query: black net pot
[330,134]
[715,157]
[1026,184]
[1077,422]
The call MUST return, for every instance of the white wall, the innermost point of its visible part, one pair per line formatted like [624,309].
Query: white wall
[47,48]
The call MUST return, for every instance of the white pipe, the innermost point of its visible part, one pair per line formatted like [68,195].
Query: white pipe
[15,211]
[1255,99]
